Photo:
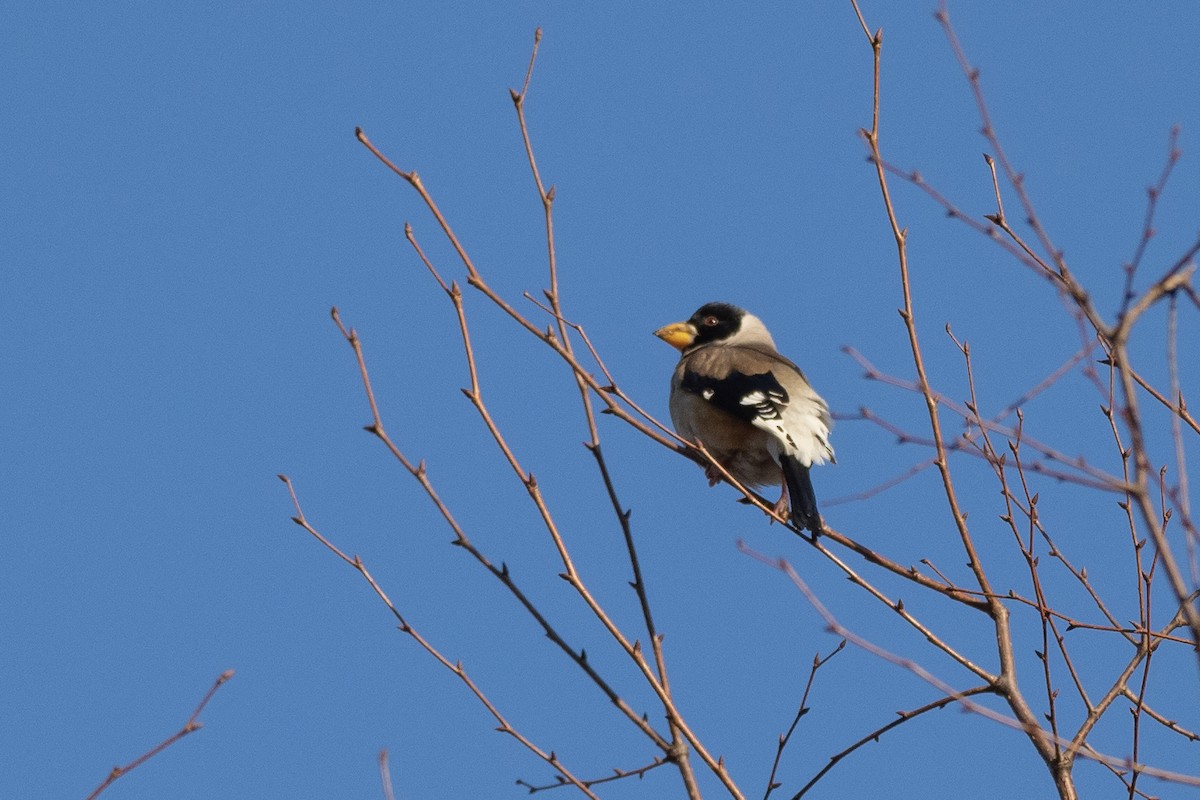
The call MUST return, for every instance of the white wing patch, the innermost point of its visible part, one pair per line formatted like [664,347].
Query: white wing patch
[799,429]
[796,419]
[766,405]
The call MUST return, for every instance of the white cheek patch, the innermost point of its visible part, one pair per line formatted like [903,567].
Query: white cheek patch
[707,394]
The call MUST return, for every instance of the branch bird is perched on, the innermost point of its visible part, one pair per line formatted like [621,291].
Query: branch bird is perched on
[752,408]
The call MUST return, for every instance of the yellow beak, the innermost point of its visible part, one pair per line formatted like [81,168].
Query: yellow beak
[678,334]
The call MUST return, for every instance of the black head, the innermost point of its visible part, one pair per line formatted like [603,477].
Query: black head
[715,322]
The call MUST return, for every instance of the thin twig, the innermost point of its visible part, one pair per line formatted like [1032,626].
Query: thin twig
[1177,407]
[1114,337]
[786,737]
[549,338]
[1101,479]
[385,776]
[679,752]
[618,774]
[456,667]
[500,572]
[901,718]
[1026,547]
[571,575]
[1182,491]
[837,629]
[191,726]
[1169,724]
[1153,193]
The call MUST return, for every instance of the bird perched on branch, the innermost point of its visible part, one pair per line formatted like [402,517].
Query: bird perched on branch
[751,408]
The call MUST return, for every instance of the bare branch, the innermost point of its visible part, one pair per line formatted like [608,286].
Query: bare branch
[385,776]
[456,667]
[1005,684]
[786,737]
[191,726]
[836,628]
[901,718]
[1153,194]
[618,774]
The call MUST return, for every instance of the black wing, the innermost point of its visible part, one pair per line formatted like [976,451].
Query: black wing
[747,397]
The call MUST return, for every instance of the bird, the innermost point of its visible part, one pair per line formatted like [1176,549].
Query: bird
[751,408]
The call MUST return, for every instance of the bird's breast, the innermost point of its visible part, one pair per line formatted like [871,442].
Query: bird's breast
[739,446]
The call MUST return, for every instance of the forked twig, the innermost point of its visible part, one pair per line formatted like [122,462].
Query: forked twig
[901,718]
[456,667]
[1005,683]
[1099,478]
[786,736]
[500,572]
[549,338]
[1020,499]
[837,629]
[1113,336]
[679,752]
[632,648]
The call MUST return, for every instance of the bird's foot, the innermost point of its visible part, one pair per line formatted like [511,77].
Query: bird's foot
[780,509]
[713,474]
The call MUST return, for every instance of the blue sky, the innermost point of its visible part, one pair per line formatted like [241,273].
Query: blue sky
[184,202]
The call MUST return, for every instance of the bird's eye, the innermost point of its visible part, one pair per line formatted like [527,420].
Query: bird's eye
[711,321]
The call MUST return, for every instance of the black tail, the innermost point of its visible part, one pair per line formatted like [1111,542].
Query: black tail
[801,495]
